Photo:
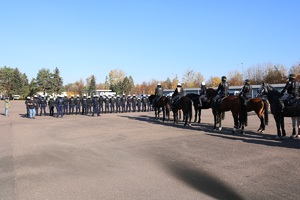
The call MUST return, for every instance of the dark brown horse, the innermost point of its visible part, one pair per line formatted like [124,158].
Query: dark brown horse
[197,109]
[162,103]
[290,110]
[185,104]
[234,104]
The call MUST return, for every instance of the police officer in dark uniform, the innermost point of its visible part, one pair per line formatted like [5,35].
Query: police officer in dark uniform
[118,104]
[59,105]
[95,105]
[66,107]
[138,104]
[202,93]
[149,107]
[106,102]
[144,103]
[101,101]
[134,99]
[89,104]
[178,94]
[222,90]
[84,105]
[158,93]
[246,92]
[77,103]
[71,104]
[292,89]
[43,105]
[36,100]
[112,104]
[123,103]
[128,103]
[51,104]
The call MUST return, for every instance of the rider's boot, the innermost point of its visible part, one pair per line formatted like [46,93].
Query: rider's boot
[200,103]
[281,105]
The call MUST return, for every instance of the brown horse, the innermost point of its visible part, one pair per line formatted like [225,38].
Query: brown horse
[234,104]
[160,102]
[261,107]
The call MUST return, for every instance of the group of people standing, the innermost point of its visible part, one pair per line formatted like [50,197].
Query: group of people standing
[86,105]
[117,104]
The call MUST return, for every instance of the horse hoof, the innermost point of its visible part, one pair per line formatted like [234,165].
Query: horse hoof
[220,128]
[189,124]
[242,132]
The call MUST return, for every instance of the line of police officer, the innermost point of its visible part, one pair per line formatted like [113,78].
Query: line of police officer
[95,105]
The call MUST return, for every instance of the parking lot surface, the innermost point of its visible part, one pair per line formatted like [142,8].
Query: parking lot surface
[133,156]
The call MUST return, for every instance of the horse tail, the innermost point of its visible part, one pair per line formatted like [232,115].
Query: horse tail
[266,108]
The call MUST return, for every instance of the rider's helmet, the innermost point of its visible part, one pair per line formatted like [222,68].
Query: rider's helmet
[158,85]
[223,78]
[247,81]
[202,84]
[179,85]
[292,77]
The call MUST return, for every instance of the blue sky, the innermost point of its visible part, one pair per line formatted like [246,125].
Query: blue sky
[152,39]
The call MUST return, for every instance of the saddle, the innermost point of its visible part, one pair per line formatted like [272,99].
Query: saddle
[291,108]
[291,103]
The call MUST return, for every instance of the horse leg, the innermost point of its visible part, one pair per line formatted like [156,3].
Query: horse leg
[215,120]
[196,113]
[185,118]
[190,118]
[164,114]
[236,122]
[262,124]
[199,116]
[220,120]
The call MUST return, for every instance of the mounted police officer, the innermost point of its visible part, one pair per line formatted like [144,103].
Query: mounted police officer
[43,105]
[202,93]
[246,92]
[178,93]
[292,89]
[222,90]
[158,93]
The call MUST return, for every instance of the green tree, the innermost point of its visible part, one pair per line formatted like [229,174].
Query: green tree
[7,80]
[92,86]
[33,87]
[56,82]
[44,80]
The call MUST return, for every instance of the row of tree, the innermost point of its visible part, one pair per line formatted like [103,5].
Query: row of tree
[12,81]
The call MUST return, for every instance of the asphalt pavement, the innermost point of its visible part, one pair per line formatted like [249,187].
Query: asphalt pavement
[132,156]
